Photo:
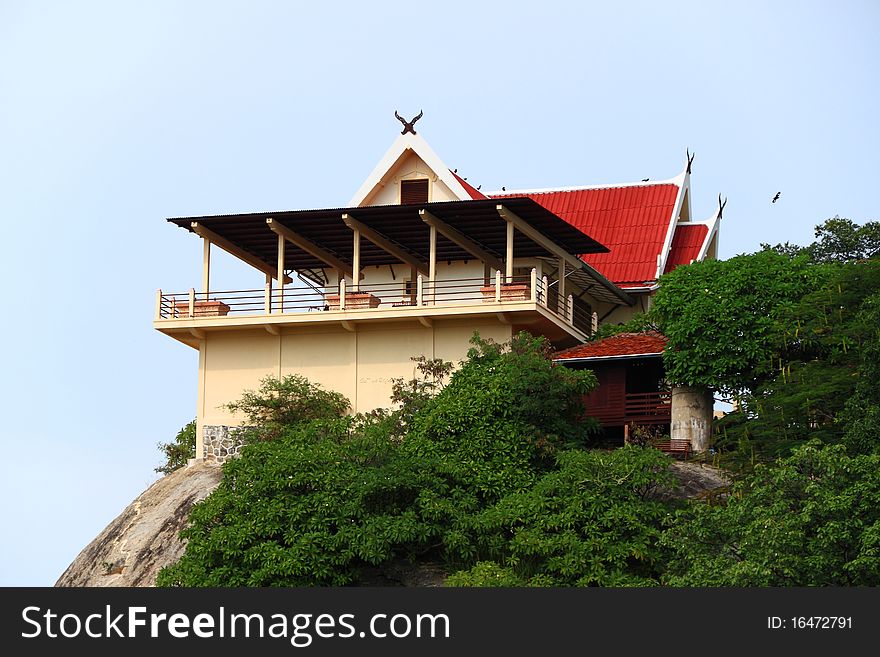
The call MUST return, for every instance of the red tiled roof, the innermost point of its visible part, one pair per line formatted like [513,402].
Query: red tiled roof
[620,345]
[631,221]
[686,245]
[475,193]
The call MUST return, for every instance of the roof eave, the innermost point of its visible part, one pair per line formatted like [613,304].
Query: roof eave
[596,359]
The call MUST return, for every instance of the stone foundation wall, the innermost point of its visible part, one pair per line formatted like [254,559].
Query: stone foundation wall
[221,442]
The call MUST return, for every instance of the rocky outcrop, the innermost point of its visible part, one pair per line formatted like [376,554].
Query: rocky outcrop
[698,481]
[144,537]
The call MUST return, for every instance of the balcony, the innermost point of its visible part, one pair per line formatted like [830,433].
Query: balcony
[521,301]
[632,408]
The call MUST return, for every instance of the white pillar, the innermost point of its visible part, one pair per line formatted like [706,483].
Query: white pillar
[432,263]
[508,263]
[561,291]
[356,260]
[267,301]
[206,267]
[280,274]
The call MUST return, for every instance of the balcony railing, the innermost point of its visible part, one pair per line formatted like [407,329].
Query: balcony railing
[632,407]
[421,294]
[648,406]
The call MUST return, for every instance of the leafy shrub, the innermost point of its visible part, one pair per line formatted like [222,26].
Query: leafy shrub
[593,521]
[287,402]
[180,451]
[812,519]
[311,507]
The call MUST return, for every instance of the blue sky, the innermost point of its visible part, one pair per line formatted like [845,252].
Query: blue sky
[116,115]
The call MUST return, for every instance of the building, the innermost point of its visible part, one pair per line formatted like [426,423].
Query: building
[629,369]
[414,264]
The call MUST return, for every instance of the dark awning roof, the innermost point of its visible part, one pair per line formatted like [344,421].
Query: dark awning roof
[478,220]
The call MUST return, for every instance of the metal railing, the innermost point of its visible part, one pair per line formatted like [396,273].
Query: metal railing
[349,297]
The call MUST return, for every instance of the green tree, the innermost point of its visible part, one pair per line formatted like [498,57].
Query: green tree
[861,415]
[824,357]
[838,240]
[842,240]
[178,452]
[812,519]
[595,520]
[290,401]
[725,320]
[312,507]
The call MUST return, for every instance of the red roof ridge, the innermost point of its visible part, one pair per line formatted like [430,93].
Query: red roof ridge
[622,345]
[472,191]
[677,181]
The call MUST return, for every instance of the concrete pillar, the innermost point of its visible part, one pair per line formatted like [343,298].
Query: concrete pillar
[692,410]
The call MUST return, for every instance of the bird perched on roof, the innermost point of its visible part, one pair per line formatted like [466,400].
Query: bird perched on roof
[776,198]
[478,187]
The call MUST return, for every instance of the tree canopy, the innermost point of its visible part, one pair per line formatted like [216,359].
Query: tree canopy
[726,319]
[811,519]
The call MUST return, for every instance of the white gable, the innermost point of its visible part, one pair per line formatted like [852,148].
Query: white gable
[409,157]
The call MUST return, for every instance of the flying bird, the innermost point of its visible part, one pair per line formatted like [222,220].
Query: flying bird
[645,179]
[776,198]
[503,189]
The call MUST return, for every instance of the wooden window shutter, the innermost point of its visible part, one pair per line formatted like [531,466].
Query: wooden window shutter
[413,191]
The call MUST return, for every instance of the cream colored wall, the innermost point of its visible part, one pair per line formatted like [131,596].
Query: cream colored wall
[410,167]
[359,364]
[234,361]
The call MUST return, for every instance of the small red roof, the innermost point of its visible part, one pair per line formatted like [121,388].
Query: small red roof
[686,245]
[620,346]
[632,221]
[475,193]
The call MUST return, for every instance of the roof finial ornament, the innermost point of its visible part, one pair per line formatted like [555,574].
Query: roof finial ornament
[408,125]
[690,158]
[721,206]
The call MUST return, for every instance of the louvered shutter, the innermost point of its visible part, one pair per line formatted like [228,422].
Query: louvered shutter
[413,191]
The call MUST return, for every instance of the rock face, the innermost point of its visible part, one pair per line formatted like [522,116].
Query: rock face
[697,481]
[144,537]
